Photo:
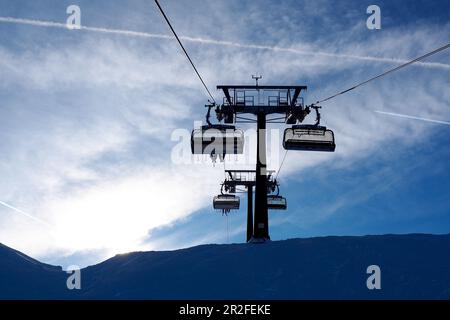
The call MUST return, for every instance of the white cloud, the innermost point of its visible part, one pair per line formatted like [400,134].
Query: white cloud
[116,214]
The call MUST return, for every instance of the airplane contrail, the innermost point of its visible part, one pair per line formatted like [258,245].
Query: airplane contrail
[51,24]
[24,214]
[412,117]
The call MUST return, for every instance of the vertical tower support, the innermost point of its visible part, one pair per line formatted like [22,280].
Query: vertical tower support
[261,227]
[249,213]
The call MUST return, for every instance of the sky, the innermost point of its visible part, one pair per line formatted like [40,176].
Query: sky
[91,121]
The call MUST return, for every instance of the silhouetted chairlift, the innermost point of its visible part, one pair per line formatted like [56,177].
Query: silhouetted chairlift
[276,202]
[226,202]
[309,138]
[217,139]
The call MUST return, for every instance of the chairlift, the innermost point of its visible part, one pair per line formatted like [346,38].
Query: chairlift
[276,202]
[309,138]
[217,139]
[226,202]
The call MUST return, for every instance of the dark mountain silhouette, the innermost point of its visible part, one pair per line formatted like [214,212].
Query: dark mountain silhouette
[412,267]
[22,277]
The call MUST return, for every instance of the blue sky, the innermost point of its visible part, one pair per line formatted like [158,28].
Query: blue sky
[87,119]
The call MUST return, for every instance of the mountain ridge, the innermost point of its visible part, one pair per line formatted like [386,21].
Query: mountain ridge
[413,266]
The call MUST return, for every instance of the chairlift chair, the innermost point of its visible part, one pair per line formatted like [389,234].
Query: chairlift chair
[309,138]
[226,202]
[217,139]
[276,202]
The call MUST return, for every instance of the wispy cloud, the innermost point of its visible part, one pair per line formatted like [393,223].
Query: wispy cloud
[129,33]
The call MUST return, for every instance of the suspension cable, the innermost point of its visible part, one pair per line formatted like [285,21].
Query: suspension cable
[224,167]
[281,165]
[386,73]
[184,50]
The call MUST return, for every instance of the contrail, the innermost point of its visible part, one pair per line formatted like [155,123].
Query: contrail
[51,24]
[25,214]
[412,117]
